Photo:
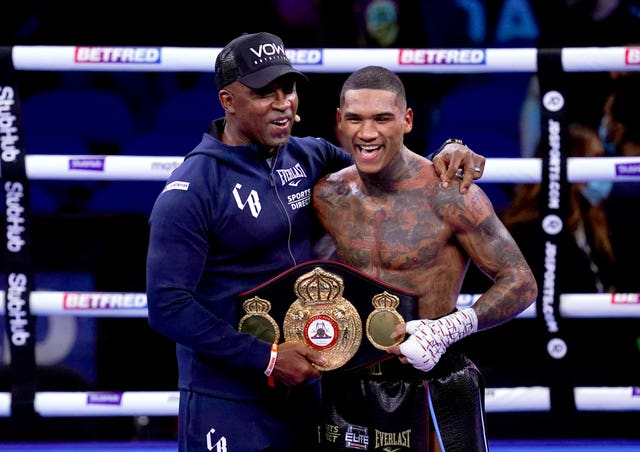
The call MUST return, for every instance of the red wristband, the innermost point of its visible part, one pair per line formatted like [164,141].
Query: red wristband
[272,363]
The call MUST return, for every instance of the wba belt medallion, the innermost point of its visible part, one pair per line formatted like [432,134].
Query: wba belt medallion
[382,321]
[257,320]
[323,319]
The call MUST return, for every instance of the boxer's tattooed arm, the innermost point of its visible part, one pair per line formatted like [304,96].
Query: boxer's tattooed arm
[492,248]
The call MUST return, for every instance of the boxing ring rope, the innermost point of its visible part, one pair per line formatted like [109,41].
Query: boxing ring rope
[134,304]
[499,170]
[518,170]
[443,61]
[165,403]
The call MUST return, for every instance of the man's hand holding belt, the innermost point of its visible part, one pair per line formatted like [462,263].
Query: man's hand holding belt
[429,339]
[294,364]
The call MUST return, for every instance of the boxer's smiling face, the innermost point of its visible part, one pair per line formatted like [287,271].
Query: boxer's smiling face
[373,124]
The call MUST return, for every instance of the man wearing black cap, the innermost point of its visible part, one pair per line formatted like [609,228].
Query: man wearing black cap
[235,214]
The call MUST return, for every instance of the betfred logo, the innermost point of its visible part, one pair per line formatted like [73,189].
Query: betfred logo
[625,298]
[109,300]
[127,55]
[632,56]
[304,56]
[442,56]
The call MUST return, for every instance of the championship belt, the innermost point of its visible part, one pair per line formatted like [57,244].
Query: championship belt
[331,307]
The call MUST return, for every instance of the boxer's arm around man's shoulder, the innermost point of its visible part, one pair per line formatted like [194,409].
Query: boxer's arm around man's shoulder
[455,159]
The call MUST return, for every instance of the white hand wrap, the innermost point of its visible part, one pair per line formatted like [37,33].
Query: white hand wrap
[430,338]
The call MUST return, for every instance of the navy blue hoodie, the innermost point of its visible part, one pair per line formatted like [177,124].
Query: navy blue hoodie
[226,222]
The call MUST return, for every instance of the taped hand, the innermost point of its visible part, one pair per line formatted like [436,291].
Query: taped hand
[430,338]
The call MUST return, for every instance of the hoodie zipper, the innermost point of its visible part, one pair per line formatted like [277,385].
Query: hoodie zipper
[272,183]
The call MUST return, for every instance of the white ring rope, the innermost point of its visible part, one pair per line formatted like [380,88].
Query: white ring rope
[503,170]
[165,403]
[134,304]
[320,60]
[323,60]
[100,403]
[100,167]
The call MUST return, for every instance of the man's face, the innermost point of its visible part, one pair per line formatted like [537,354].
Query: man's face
[263,116]
[372,126]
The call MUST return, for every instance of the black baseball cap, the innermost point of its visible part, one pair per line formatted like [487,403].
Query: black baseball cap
[255,60]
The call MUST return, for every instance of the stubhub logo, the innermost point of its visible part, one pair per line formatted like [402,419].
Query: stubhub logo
[89,164]
[304,56]
[143,55]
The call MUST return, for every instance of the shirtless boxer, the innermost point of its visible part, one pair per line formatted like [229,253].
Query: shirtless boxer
[390,217]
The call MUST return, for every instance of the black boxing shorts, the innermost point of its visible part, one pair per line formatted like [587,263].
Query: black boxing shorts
[456,397]
[392,406]
[382,408]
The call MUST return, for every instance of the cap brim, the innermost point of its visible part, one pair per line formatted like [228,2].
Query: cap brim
[263,77]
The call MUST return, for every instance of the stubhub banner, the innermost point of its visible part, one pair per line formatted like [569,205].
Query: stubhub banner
[63,340]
